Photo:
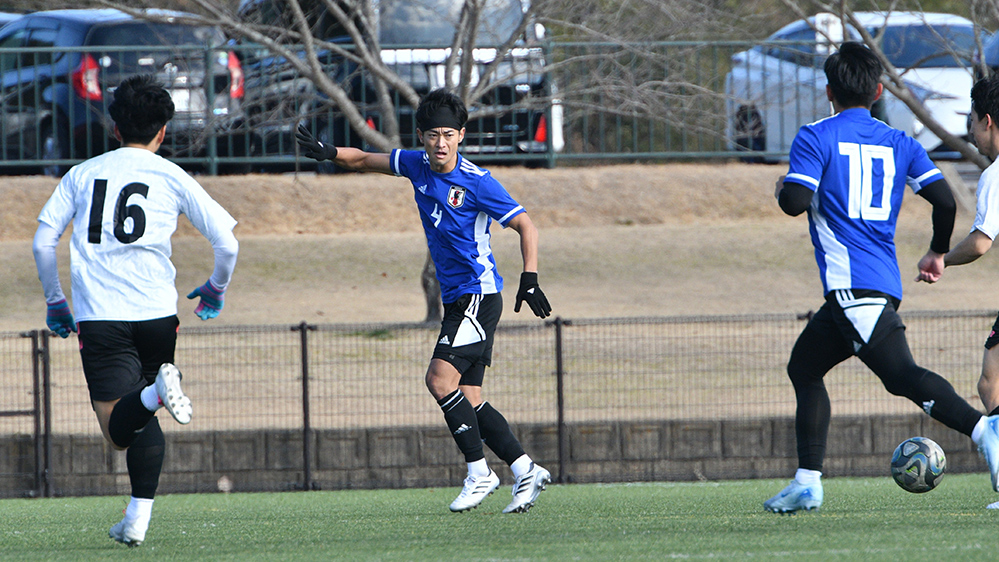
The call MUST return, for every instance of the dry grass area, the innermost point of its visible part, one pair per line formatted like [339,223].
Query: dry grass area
[673,239]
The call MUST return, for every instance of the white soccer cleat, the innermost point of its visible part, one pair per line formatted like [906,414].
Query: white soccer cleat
[796,497]
[527,489]
[172,397]
[988,445]
[474,491]
[130,533]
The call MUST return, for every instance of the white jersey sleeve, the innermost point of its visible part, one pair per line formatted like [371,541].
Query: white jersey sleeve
[124,207]
[987,206]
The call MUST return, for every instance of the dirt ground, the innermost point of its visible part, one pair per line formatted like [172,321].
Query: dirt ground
[628,240]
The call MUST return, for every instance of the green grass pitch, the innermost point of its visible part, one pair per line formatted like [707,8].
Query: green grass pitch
[862,519]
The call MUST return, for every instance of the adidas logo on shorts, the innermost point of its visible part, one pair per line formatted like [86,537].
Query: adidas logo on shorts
[444,341]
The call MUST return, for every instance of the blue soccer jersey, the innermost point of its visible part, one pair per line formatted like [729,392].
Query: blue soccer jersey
[858,168]
[456,209]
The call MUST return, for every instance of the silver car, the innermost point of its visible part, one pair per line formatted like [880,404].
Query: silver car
[775,88]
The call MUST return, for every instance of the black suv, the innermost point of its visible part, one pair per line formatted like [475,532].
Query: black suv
[414,37]
[59,68]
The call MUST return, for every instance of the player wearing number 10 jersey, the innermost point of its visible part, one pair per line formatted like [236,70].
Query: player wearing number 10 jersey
[849,172]
[124,207]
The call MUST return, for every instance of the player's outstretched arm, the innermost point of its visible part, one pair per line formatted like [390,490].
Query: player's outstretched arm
[529,290]
[968,250]
[345,157]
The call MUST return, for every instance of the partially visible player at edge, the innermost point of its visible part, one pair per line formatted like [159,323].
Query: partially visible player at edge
[457,201]
[849,172]
[124,206]
[985,133]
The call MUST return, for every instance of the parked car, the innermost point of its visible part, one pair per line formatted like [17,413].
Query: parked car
[415,37]
[53,103]
[7,17]
[778,86]
[990,54]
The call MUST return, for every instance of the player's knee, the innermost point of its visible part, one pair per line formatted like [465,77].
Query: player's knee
[801,373]
[909,382]
[441,381]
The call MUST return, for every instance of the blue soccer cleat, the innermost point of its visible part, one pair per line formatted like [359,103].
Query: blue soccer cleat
[796,497]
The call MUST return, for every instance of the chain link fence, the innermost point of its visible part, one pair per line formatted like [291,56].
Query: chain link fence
[306,380]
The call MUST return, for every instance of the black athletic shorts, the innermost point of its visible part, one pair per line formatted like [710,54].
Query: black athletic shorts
[863,317]
[466,338]
[993,338]
[121,357]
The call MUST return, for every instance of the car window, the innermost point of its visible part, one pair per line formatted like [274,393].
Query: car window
[27,39]
[913,46]
[154,33]
[802,54]
[41,38]
[433,22]
[9,61]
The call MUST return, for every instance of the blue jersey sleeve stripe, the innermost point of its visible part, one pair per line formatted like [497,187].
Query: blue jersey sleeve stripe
[516,210]
[921,180]
[802,179]
[394,161]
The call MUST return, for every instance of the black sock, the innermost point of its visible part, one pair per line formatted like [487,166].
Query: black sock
[994,412]
[144,459]
[460,418]
[496,433]
[127,418]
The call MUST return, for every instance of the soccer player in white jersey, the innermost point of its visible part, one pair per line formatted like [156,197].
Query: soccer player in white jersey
[849,172]
[457,201]
[124,206]
[985,132]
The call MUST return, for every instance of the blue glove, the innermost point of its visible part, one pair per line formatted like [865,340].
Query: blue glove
[59,318]
[211,303]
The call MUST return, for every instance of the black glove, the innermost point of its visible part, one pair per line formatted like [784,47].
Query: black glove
[313,148]
[530,291]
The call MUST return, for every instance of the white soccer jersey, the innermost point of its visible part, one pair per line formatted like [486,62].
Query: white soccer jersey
[124,207]
[987,207]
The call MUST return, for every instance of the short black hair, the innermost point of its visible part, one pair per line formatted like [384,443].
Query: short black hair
[985,97]
[140,108]
[440,102]
[853,74]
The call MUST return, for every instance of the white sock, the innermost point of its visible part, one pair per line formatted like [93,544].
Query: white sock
[139,509]
[478,468]
[521,466]
[976,434]
[150,399]
[807,477]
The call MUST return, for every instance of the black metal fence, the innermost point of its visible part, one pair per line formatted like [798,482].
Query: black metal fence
[307,379]
[563,102]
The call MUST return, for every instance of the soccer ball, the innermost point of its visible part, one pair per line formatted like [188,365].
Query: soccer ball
[918,465]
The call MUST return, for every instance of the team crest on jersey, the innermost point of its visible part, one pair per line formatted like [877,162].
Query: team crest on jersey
[456,196]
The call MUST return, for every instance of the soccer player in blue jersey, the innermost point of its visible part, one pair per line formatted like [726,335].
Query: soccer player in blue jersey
[457,201]
[849,171]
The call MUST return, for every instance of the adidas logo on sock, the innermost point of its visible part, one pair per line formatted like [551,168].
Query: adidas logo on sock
[444,341]
[462,429]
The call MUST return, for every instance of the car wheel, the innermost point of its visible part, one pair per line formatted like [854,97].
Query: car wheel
[750,133]
[53,147]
